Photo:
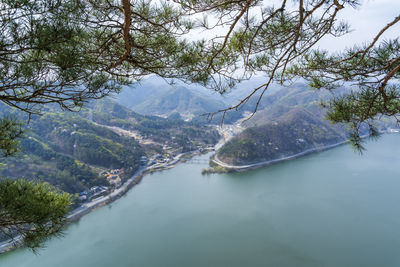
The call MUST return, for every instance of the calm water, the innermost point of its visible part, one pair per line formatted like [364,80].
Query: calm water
[334,208]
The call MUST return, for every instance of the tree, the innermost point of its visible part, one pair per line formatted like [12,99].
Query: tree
[279,41]
[32,211]
[69,52]
[11,130]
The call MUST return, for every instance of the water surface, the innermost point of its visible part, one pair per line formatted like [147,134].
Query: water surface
[334,208]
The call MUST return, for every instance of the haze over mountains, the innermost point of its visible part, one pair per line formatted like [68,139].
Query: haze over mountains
[289,120]
[155,96]
[69,150]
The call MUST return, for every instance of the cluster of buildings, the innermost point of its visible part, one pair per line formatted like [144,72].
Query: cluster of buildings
[113,177]
[143,161]
[159,158]
[93,192]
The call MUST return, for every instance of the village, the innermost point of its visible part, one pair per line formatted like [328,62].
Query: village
[155,162]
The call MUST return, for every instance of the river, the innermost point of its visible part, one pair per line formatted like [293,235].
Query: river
[334,208]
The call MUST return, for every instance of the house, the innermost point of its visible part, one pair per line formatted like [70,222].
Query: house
[143,160]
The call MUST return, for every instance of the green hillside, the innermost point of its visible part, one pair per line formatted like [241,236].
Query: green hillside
[72,150]
[172,131]
[69,151]
[288,122]
[296,131]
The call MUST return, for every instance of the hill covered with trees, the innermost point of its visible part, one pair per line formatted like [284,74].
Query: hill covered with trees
[71,150]
[288,122]
[295,132]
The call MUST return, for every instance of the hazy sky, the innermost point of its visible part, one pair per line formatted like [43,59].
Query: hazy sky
[366,21]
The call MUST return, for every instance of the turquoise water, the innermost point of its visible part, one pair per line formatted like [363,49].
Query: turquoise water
[334,208]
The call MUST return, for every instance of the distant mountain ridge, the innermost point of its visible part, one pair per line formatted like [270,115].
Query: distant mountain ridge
[178,100]
[154,96]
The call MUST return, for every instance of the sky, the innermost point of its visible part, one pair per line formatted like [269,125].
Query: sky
[365,21]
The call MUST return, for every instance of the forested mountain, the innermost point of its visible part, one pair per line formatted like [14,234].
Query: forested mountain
[296,131]
[181,100]
[71,150]
[287,122]
[171,131]
[154,96]
[62,149]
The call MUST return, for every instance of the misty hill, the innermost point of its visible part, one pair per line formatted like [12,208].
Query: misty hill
[155,96]
[178,100]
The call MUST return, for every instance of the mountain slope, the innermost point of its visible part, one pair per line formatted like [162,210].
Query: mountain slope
[181,100]
[69,152]
[154,96]
[73,150]
[296,131]
[288,122]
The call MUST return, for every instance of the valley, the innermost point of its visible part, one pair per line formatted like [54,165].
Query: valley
[102,151]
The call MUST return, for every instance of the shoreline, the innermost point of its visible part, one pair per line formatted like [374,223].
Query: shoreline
[243,168]
[86,208]
[76,214]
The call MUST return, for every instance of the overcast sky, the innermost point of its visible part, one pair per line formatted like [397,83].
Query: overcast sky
[366,21]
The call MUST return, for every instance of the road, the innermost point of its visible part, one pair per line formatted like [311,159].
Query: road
[86,207]
[268,162]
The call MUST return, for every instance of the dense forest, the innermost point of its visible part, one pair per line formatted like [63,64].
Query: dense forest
[72,150]
[289,121]
[294,133]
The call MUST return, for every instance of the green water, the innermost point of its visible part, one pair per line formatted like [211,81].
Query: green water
[334,208]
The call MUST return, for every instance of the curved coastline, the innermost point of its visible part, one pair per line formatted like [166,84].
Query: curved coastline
[86,208]
[242,168]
